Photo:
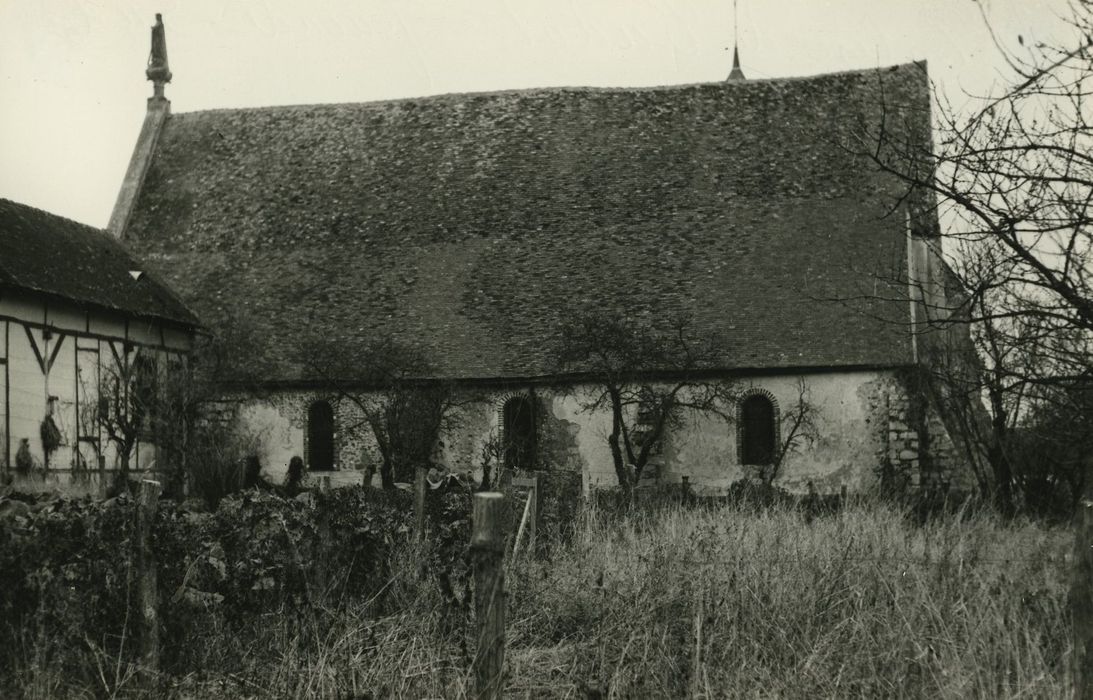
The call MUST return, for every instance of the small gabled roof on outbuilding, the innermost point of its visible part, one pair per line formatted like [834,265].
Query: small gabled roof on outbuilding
[49,254]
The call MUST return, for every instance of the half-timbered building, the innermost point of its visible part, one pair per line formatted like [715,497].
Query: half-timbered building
[79,317]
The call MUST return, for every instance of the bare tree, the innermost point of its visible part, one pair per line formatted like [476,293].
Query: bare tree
[130,404]
[649,375]
[1012,182]
[1016,176]
[176,402]
[1054,447]
[395,388]
[798,429]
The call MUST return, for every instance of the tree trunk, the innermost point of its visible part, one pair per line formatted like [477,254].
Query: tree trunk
[613,440]
[621,473]
[387,469]
[1000,466]
[997,456]
[387,473]
[620,464]
[1003,480]
[121,477]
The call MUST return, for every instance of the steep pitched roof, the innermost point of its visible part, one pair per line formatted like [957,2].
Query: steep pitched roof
[45,253]
[472,224]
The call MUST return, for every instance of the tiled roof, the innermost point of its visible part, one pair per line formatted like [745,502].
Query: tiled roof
[473,224]
[45,253]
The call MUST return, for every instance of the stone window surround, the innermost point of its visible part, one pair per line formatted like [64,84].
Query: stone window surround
[499,409]
[777,417]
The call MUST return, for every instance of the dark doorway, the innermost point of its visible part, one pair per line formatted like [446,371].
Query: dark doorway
[519,432]
[757,433]
[320,436]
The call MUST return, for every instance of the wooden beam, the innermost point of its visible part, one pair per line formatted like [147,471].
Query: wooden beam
[34,346]
[56,351]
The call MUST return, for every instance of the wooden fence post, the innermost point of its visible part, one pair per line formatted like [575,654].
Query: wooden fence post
[419,502]
[1081,597]
[147,503]
[534,496]
[530,515]
[487,547]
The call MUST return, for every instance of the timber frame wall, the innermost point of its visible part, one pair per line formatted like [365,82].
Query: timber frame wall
[45,344]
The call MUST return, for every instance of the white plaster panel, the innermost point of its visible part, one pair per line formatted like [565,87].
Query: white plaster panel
[22,306]
[66,317]
[110,325]
[62,385]
[144,332]
[27,391]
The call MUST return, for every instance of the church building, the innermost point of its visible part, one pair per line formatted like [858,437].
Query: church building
[473,226]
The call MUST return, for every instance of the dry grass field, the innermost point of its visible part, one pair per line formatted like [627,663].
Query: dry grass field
[718,601]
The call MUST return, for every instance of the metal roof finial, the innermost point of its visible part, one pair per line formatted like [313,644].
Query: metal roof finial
[736,73]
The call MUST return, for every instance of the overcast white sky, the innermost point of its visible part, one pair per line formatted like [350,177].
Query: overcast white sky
[72,86]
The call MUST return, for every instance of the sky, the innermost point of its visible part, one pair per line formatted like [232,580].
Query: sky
[73,91]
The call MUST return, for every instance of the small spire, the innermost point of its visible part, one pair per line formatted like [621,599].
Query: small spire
[736,73]
[158,71]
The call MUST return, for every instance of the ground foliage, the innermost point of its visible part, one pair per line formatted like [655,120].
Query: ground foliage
[66,585]
[667,595]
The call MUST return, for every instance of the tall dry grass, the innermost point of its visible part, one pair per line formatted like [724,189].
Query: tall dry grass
[732,603]
[673,602]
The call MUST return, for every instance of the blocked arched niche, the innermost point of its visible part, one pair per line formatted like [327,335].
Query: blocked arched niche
[758,427]
[519,420]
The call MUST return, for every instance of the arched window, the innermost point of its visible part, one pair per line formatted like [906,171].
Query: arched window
[757,430]
[320,436]
[519,432]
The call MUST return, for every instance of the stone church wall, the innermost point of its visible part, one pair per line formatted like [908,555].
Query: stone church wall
[865,419]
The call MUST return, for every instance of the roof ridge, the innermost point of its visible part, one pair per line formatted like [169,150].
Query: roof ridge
[550,90]
[4,200]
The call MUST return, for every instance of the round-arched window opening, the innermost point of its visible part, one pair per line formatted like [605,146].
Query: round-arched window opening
[320,436]
[757,430]
[519,432]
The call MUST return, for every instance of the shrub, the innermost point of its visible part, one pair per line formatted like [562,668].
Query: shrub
[64,567]
[215,457]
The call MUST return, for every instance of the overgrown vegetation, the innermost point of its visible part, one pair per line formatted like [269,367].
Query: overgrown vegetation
[1012,180]
[731,599]
[66,583]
